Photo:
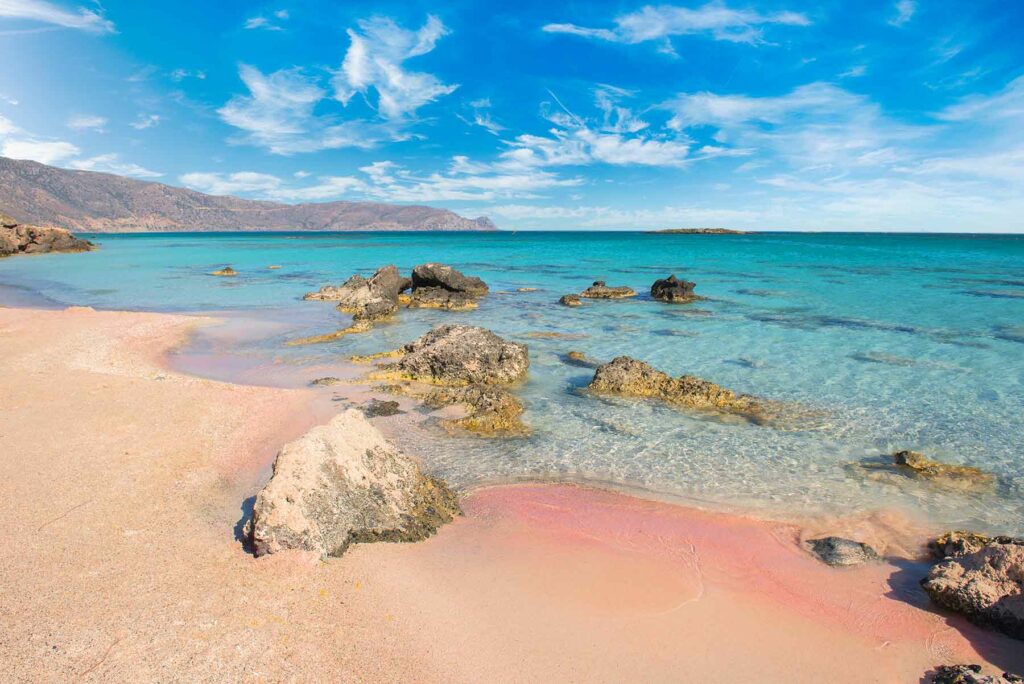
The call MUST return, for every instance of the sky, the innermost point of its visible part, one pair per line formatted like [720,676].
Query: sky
[751,114]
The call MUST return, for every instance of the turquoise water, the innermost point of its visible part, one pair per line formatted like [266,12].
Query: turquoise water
[900,341]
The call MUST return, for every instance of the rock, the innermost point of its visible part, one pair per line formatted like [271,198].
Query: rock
[227,271]
[970,674]
[526,289]
[986,585]
[366,299]
[918,465]
[376,408]
[356,327]
[460,355]
[16,238]
[325,382]
[673,290]
[343,483]
[839,552]
[273,267]
[601,291]
[570,300]
[446,277]
[492,411]
[575,358]
[959,543]
[631,378]
[440,298]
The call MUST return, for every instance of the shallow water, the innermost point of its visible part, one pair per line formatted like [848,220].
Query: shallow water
[898,341]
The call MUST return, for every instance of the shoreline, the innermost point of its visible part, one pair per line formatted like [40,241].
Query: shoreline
[123,562]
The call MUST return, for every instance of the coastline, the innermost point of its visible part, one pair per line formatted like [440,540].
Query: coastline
[125,482]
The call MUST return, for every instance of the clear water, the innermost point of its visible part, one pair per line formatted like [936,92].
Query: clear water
[903,341]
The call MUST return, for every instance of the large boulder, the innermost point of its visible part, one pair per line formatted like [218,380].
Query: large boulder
[986,585]
[447,278]
[460,355]
[840,552]
[628,377]
[970,674]
[7,222]
[18,238]
[599,290]
[367,299]
[673,290]
[343,483]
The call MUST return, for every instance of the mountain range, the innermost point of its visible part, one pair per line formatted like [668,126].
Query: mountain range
[94,202]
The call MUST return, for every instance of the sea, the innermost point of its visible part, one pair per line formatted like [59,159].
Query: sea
[888,341]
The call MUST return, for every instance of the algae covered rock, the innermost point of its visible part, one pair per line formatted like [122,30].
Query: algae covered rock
[628,377]
[460,355]
[918,465]
[226,272]
[343,483]
[570,300]
[599,290]
[491,411]
[986,585]
[447,278]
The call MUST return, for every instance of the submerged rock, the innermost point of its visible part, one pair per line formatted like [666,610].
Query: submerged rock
[839,552]
[673,290]
[376,408]
[491,411]
[579,359]
[343,483]
[325,381]
[601,291]
[447,278]
[227,271]
[460,355]
[570,300]
[970,674]
[628,377]
[919,465]
[986,585]
[18,238]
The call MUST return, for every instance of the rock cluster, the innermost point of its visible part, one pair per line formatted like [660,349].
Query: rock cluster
[624,376]
[982,578]
[601,291]
[491,411]
[673,290]
[367,299]
[839,552]
[18,238]
[970,674]
[343,483]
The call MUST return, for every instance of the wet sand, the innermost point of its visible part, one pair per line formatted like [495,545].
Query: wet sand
[122,485]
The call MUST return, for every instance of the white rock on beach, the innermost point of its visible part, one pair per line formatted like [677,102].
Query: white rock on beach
[344,483]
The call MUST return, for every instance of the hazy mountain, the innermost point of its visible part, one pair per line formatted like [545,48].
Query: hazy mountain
[100,202]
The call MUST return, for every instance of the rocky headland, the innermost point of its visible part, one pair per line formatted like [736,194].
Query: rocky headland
[19,238]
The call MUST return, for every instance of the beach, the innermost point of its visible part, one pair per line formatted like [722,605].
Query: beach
[124,483]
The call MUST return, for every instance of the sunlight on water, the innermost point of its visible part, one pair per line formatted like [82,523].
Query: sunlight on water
[899,341]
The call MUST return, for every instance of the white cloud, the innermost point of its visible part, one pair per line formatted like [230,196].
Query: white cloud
[243,182]
[482,116]
[8,99]
[144,121]
[538,216]
[659,23]
[905,10]
[267,23]
[179,75]
[42,151]
[1006,105]
[111,163]
[50,13]
[854,72]
[87,122]
[374,62]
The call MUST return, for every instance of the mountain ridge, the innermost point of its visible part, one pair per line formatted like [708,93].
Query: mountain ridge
[94,202]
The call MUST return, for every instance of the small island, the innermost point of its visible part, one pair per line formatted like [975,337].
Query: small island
[698,231]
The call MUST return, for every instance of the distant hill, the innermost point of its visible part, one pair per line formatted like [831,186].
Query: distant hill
[104,203]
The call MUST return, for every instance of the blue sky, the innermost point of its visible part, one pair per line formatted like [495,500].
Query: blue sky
[829,115]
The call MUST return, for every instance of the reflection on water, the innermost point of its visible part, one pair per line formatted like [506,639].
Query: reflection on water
[886,336]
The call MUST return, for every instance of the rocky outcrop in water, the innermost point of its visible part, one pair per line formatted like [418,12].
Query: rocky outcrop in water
[919,465]
[226,272]
[491,411]
[17,238]
[601,291]
[673,290]
[460,355]
[959,543]
[343,483]
[628,377]
[366,299]
[437,286]
[570,300]
[970,674]
[982,580]
[839,552]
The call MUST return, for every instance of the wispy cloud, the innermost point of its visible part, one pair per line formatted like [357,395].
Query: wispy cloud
[267,23]
[179,75]
[144,121]
[112,163]
[1007,104]
[481,117]
[662,22]
[905,10]
[83,19]
[87,122]
[374,62]
[42,151]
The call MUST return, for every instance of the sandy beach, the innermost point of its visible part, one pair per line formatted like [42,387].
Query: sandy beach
[123,485]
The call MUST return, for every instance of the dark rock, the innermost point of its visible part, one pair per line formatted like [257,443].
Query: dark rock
[366,299]
[601,291]
[440,298]
[673,290]
[446,277]
[376,408]
[839,552]
[985,585]
[570,300]
[227,271]
[460,355]
[325,382]
[970,674]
